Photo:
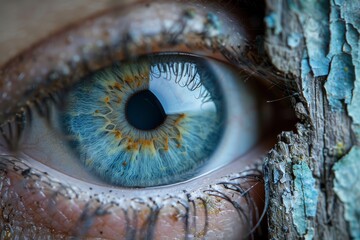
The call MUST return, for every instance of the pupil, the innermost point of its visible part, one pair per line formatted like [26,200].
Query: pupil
[144,111]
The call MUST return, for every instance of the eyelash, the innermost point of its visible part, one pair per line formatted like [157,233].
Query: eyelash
[12,130]
[227,190]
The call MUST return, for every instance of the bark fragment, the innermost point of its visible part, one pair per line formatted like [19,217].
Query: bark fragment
[324,133]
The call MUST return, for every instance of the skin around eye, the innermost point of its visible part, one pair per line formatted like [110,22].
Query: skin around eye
[39,204]
[119,34]
[203,106]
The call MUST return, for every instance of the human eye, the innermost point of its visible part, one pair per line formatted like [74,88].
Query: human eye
[47,191]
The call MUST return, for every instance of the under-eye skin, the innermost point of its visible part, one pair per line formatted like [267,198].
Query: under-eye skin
[66,109]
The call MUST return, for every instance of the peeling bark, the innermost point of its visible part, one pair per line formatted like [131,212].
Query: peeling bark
[323,135]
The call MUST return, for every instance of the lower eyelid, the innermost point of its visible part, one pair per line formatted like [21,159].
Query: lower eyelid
[221,213]
[57,208]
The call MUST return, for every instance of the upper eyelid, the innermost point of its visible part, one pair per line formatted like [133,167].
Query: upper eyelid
[20,69]
[63,36]
[0,121]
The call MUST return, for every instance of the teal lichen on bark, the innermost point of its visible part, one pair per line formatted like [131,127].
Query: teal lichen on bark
[314,19]
[340,81]
[347,187]
[294,39]
[305,199]
[354,108]
[330,45]
[351,15]
[347,169]
[273,21]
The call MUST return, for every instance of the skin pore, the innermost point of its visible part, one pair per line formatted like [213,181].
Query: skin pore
[38,201]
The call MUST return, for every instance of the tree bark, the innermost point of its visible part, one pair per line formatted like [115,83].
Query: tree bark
[307,40]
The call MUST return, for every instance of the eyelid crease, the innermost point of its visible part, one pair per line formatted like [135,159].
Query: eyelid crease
[95,44]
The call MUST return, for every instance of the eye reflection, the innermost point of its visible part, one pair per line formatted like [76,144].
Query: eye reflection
[72,207]
[106,113]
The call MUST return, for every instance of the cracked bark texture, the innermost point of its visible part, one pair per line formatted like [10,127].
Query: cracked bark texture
[322,136]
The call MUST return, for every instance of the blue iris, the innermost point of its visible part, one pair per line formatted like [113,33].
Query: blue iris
[150,122]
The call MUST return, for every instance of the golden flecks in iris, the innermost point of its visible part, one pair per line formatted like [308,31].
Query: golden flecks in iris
[180,118]
[117,134]
[166,144]
[129,79]
[171,132]
[107,99]
[117,90]
[142,143]
[151,146]
[118,100]
[179,129]
[146,142]
[179,140]
[132,145]
[135,82]
[117,86]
